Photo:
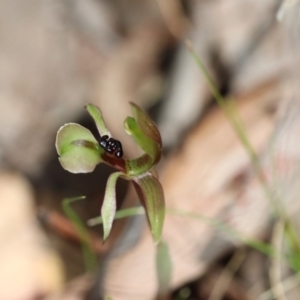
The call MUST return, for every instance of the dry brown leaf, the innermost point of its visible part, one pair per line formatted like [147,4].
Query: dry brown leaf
[29,267]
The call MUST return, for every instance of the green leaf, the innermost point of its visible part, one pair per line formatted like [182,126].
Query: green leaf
[96,114]
[152,197]
[90,258]
[108,209]
[78,149]
[120,214]
[147,136]
[163,269]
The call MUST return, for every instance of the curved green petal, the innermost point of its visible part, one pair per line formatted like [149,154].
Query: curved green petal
[140,165]
[146,124]
[150,146]
[147,136]
[96,114]
[78,149]
[152,198]
[108,209]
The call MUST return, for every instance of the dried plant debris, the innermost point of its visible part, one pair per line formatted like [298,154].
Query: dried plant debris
[29,266]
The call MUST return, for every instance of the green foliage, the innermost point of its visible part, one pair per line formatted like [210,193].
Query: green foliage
[260,246]
[277,206]
[89,256]
[120,214]
[80,152]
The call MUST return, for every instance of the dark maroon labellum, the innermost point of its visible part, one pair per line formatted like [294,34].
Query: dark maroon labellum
[111,146]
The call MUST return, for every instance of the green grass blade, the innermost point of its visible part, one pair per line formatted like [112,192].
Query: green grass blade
[233,116]
[262,247]
[120,214]
[256,244]
[89,256]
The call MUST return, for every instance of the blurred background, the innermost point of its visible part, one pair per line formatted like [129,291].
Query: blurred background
[58,55]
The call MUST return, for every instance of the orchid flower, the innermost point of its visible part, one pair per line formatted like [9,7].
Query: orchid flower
[80,152]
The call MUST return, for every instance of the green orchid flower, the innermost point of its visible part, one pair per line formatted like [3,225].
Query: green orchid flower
[80,152]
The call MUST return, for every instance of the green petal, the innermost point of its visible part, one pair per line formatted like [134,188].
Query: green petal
[96,114]
[140,165]
[146,124]
[152,197]
[79,151]
[150,146]
[147,136]
[108,209]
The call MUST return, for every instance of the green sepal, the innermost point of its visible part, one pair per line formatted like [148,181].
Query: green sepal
[147,136]
[96,114]
[152,198]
